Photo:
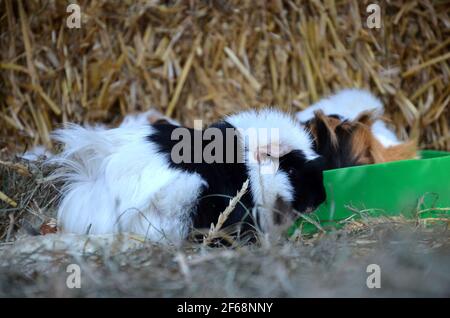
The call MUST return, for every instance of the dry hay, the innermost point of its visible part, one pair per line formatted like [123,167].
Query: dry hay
[30,198]
[203,59]
[414,263]
[413,256]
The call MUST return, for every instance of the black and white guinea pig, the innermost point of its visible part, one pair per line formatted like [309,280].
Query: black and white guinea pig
[126,179]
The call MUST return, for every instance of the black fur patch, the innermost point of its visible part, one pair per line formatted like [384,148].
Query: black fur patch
[335,156]
[306,178]
[224,179]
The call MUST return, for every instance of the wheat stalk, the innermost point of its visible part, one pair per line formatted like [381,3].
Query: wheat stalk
[215,229]
[8,200]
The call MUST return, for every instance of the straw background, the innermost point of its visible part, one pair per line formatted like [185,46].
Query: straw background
[204,59]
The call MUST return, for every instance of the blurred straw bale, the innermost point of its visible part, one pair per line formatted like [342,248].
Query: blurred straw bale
[205,59]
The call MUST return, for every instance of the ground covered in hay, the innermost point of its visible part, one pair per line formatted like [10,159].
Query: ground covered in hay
[413,263]
[413,256]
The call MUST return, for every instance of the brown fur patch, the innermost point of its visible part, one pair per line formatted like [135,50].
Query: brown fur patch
[407,150]
[367,149]
[363,146]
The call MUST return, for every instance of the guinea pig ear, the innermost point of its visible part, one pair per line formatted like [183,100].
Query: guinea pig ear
[325,130]
[366,118]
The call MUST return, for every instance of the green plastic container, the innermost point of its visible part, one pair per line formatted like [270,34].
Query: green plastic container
[412,188]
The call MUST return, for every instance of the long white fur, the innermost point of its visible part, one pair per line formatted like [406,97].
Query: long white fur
[349,103]
[36,153]
[268,187]
[116,181]
[291,134]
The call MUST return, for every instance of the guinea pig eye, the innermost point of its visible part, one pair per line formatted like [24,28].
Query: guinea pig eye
[291,171]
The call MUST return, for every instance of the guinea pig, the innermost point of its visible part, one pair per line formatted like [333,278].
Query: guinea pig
[345,143]
[349,104]
[347,131]
[159,180]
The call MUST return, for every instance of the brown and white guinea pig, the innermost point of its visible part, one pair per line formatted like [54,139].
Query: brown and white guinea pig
[348,131]
[346,143]
[127,179]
